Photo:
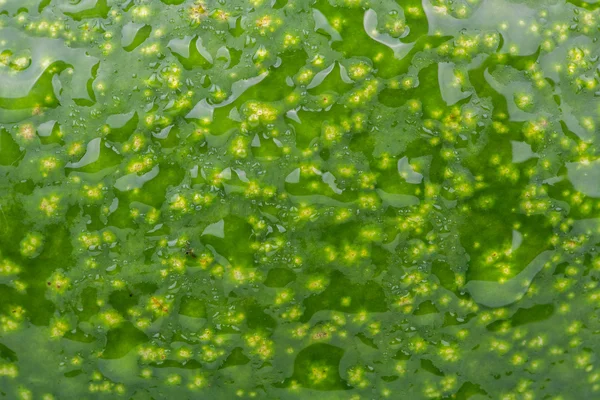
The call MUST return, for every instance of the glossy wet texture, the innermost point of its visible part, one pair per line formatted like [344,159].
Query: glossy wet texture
[340,199]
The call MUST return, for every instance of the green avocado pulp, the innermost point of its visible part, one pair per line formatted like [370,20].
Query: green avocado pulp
[295,199]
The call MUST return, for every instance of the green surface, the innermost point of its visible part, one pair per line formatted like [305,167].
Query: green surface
[271,199]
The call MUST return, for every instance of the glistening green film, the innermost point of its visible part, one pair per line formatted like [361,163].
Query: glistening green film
[294,199]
